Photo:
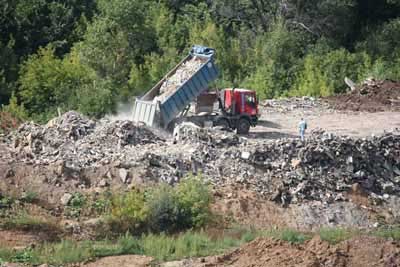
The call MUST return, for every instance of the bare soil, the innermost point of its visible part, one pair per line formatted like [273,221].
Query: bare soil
[361,251]
[371,96]
[122,261]
[275,124]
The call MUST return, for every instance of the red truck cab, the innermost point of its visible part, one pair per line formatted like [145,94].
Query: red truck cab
[244,101]
[241,109]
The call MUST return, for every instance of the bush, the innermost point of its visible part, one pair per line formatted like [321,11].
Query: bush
[164,209]
[194,199]
[129,212]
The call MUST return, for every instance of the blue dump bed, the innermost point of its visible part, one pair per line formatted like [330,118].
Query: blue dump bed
[181,86]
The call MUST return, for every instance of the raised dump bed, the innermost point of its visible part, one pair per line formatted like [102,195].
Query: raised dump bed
[181,86]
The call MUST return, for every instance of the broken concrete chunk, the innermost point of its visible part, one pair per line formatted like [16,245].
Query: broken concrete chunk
[123,175]
[66,198]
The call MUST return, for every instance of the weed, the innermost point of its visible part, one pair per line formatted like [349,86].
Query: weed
[5,202]
[29,197]
[391,232]
[65,252]
[75,205]
[102,205]
[335,235]
[24,256]
[288,235]
[5,255]
[26,222]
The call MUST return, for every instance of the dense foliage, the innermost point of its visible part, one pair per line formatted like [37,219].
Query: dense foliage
[163,208]
[89,55]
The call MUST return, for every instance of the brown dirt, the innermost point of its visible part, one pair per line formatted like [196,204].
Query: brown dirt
[360,251]
[372,96]
[18,239]
[248,208]
[122,261]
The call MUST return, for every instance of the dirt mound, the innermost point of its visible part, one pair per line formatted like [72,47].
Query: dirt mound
[361,251]
[371,96]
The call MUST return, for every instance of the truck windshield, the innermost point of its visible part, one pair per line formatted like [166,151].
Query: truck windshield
[251,100]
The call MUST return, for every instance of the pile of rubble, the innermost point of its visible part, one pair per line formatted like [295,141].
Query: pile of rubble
[286,170]
[324,167]
[188,132]
[78,140]
[181,75]
[285,105]
[371,96]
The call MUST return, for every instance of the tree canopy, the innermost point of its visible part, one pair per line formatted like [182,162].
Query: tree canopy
[90,55]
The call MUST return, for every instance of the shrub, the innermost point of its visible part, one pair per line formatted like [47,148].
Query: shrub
[129,211]
[164,209]
[194,198]
[76,204]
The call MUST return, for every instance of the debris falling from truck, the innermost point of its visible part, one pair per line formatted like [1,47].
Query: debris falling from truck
[181,75]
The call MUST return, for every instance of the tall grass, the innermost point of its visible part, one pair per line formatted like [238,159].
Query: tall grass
[336,235]
[161,247]
[388,233]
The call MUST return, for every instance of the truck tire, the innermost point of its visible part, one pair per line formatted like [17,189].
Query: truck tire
[243,126]
[224,124]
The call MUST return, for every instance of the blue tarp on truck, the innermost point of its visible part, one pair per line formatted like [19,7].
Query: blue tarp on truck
[181,86]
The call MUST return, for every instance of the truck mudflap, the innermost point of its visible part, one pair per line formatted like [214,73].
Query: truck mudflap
[146,112]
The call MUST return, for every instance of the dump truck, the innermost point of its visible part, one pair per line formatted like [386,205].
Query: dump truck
[168,102]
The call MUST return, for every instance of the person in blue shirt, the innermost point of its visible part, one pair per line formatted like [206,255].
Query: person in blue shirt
[302,128]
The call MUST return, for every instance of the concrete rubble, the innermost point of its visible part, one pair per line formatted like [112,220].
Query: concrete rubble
[181,75]
[289,104]
[286,171]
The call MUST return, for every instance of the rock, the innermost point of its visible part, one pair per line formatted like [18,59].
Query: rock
[245,155]
[388,187]
[123,175]
[66,198]
[295,163]
[103,183]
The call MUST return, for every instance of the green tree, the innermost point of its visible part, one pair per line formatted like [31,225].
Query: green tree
[48,83]
[323,74]
[277,56]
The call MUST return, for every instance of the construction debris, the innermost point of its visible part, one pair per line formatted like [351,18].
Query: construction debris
[77,140]
[181,75]
[287,171]
[371,96]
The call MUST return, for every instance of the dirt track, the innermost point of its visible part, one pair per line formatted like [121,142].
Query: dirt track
[276,125]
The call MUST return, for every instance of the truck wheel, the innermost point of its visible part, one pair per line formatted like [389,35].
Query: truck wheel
[243,126]
[224,123]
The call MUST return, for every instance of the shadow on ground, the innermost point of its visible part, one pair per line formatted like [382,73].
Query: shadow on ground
[269,124]
[270,135]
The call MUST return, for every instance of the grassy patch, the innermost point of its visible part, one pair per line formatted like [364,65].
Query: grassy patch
[288,235]
[30,197]
[391,232]
[162,247]
[26,222]
[336,235]
[5,255]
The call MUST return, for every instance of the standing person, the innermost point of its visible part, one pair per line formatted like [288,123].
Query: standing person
[302,128]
